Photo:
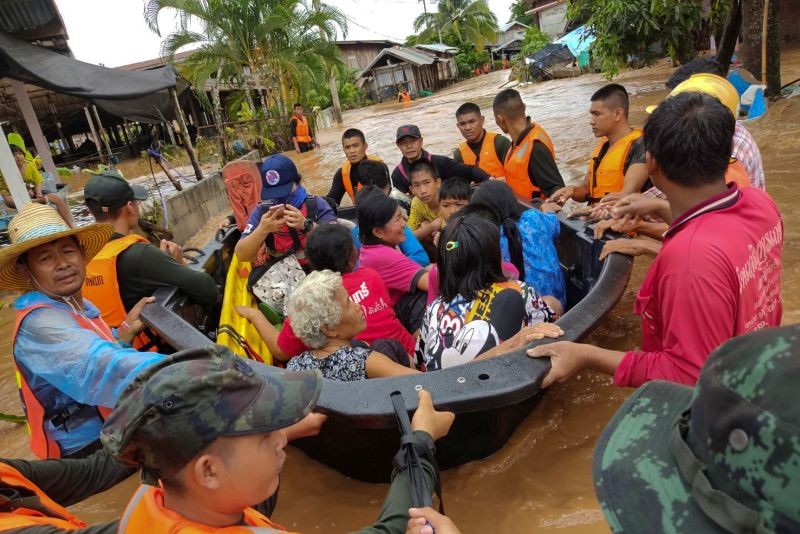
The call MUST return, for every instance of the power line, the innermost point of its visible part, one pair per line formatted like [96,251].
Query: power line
[356,23]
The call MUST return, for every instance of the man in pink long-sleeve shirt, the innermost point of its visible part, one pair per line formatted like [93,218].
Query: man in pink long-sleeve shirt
[718,274]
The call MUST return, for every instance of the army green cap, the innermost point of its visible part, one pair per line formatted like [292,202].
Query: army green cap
[721,457]
[176,408]
[112,191]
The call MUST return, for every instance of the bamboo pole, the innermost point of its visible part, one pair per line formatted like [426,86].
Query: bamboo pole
[103,138]
[98,143]
[187,142]
[764,27]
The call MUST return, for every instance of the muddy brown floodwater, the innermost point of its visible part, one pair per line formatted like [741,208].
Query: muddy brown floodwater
[541,480]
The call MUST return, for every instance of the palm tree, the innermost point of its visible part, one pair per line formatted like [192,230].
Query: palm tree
[461,21]
[277,47]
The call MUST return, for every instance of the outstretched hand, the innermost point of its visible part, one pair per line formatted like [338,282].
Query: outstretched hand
[427,520]
[429,420]
[565,360]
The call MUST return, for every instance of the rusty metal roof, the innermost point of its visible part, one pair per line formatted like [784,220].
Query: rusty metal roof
[36,21]
[406,55]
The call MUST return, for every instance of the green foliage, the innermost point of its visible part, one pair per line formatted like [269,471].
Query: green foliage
[468,58]
[460,22]
[626,29]
[350,96]
[535,40]
[518,9]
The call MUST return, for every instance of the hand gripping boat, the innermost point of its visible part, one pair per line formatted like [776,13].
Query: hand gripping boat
[490,397]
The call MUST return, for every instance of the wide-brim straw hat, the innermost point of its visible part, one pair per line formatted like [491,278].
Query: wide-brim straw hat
[35,225]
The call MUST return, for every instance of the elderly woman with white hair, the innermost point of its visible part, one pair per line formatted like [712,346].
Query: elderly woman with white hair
[325,319]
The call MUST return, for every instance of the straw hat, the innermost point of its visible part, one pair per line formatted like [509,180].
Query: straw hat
[36,225]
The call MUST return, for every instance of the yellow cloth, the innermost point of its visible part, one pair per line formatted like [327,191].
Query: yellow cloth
[420,212]
[30,176]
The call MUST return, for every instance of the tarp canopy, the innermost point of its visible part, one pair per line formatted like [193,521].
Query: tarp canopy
[552,54]
[135,95]
[578,40]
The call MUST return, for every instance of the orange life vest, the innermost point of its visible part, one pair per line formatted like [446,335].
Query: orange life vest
[348,183]
[488,160]
[101,286]
[608,175]
[405,97]
[302,131]
[50,513]
[517,160]
[737,174]
[146,513]
[43,445]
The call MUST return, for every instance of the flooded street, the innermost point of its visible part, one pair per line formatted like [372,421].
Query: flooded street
[541,480]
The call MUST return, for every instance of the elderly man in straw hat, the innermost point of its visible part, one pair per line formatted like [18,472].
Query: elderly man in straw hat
[70,365]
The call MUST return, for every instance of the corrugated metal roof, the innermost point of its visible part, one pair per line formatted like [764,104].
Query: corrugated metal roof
[34,20]
[403,54]
[437,47]
[508,25]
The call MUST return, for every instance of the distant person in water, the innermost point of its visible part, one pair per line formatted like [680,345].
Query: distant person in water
[530,164]
[617,162]
[34,182]
[347,178]
[300,130]
[718,274]
[486,150]
[403,96]
[409,141]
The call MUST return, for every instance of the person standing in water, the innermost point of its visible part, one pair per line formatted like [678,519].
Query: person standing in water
[302,135]
[485,149]
[409,141]
[617,163]
[347,178]
[718,273]
[530,164]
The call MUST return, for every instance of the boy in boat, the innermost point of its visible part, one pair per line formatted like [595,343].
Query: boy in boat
[302,135]
[485,149]
[530,165]
[722,457]
[617,163]
[129,268]
[207,430]
[718,274]
[347,178]
[425,218]
[70,366]
[409,141]
[454,195]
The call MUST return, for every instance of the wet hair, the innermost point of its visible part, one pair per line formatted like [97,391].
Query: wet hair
[354,132]
[371,172]
[375,209]
[613,96]
[297,105]
[454,188]
[96,209]
[469,107]
[497,199]
[690,136]
[423,165]
[509,104]
[474,263]
[330,246]
[16,149]
[313,305]
[696,66]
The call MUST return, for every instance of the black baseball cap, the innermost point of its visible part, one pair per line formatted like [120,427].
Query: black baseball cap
[112,191]
[408,130]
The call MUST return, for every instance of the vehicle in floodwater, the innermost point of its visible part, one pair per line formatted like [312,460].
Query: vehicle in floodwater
[489,397]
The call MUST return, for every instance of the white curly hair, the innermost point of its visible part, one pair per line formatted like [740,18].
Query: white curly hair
[313,304]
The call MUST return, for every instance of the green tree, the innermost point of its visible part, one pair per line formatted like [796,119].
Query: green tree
[279,48]
[627,29]
[459,22]
[535,39]
[518,13]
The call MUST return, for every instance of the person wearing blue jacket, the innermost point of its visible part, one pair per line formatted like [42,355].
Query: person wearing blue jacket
[71,367]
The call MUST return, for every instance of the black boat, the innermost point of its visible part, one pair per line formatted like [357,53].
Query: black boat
[490,397]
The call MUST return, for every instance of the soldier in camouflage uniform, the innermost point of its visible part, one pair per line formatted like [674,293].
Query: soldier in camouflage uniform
[722,457]
[207,426]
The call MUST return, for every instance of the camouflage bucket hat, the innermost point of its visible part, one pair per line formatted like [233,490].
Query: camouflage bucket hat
[723,457]
[176,408]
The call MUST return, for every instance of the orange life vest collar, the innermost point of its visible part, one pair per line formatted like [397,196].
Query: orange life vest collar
[50,513]
[488,159]
[42,444]
[348,183]
[518,160]
[302,131]
[607,175]
[146,513]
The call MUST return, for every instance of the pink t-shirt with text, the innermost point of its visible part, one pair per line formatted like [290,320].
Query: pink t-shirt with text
[393,267]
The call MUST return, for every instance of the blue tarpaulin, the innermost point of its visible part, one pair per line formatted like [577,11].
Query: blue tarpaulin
[578,40]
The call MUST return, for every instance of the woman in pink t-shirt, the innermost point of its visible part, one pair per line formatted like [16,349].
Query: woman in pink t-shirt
[381,227]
